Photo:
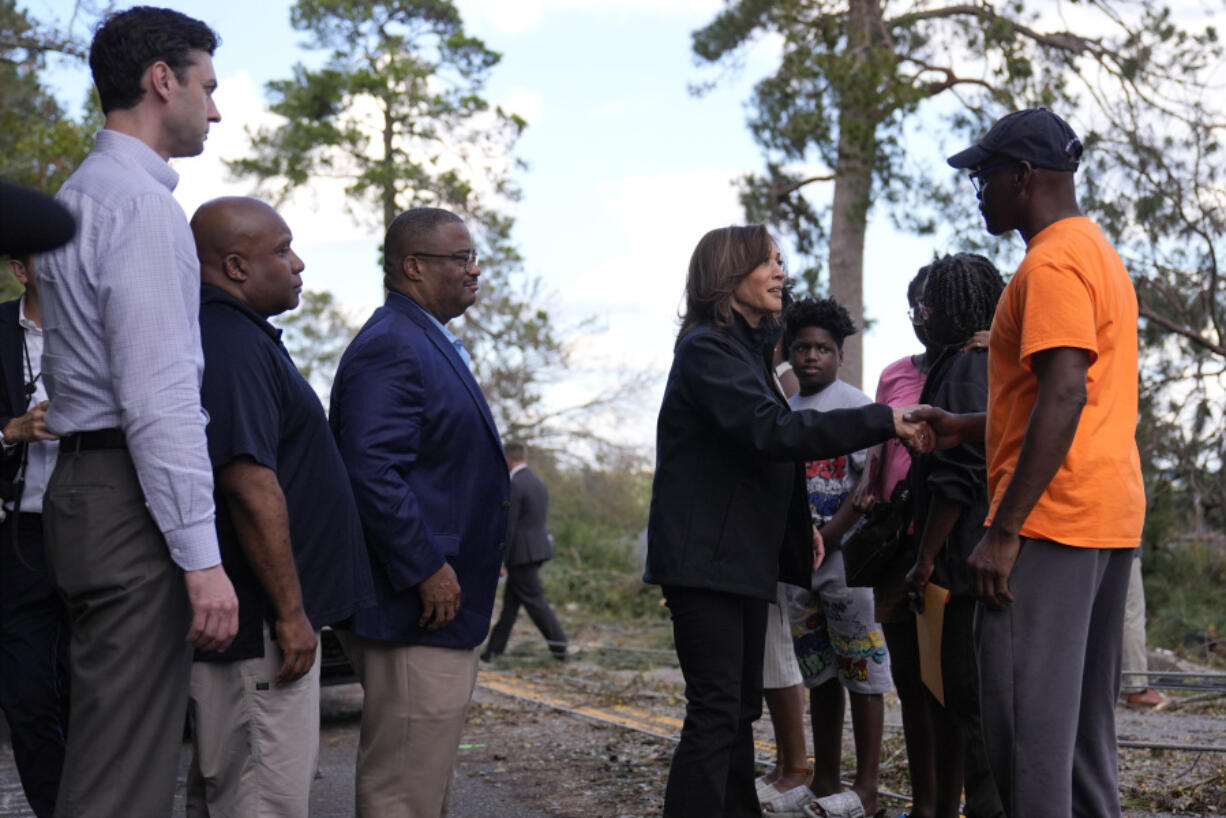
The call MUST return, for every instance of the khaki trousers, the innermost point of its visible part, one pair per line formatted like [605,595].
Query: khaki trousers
[255,742]
[416,699]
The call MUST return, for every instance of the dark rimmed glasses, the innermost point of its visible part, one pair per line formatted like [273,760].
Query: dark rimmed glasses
[979,178]
[469,259]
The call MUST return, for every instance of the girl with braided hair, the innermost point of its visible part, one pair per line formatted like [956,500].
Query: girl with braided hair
[949,490]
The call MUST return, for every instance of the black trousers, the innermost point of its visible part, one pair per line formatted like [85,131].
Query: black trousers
[33,656]
[524,588]
[720,639]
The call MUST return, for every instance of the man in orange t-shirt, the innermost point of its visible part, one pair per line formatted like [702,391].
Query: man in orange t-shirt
[1064,478]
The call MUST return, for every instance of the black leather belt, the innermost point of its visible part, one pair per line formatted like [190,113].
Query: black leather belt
[94,439]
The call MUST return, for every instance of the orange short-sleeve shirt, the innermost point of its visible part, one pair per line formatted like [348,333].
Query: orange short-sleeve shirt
[1071,290]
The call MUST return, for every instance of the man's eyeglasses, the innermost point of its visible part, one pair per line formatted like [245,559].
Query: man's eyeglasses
[919,313]
[469,259]
[979,178]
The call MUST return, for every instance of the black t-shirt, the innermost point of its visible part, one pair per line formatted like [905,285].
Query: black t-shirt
[261,407]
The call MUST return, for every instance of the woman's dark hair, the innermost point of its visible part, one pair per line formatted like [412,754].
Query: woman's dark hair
[961,291]
[127,43]
[825,313]
[915,290]
[722,259]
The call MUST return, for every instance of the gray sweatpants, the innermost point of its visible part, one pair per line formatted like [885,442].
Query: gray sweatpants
[1049,670]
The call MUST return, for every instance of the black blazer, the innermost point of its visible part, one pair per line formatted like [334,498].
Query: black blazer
[527,533]
[13,398]
[728,506]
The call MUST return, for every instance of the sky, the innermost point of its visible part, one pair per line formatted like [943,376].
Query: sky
[626,169]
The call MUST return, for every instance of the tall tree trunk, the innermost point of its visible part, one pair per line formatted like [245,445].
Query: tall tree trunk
[853,185]
[847,230]
[389,183]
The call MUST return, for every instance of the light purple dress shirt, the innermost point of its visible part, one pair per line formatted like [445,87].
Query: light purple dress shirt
[121,323]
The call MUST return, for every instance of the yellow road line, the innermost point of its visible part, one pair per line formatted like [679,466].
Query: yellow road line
[622,715]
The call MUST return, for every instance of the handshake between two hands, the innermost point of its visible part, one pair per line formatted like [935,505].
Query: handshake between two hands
[923,428]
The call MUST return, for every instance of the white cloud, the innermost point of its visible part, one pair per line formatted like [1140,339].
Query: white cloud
[525,102]
[314,215]
[340,253]
[636,284]
[501,15]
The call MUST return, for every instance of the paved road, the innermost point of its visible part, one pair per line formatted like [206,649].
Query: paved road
[332,793]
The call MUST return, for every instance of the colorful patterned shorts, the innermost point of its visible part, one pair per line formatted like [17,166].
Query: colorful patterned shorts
[834,634]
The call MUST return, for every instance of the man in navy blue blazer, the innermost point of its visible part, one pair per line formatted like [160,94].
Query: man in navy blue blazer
[430,480]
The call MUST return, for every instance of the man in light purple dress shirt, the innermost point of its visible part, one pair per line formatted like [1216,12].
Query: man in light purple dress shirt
[129,509]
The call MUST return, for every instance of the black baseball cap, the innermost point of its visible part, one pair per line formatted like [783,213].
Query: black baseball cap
[1035,135]
[31,222]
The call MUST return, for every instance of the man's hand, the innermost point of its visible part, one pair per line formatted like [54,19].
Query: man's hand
[991,563]
[949,430]
[297,641]
[819,549]
[912,429]
[214,608]
[917,581]
[29,427]
[440,598]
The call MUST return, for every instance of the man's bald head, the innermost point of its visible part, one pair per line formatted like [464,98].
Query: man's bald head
[244,249]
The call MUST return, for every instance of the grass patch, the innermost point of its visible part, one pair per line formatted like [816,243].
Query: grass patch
[1184,588]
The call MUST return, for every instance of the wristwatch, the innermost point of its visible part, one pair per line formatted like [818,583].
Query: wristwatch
[6,443]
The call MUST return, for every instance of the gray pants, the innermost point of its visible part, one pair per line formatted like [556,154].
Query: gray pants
[1049,670]
[128,656]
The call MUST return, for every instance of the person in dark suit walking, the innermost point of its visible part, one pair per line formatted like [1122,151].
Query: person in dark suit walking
[33,626]
[528,546]
[429,476]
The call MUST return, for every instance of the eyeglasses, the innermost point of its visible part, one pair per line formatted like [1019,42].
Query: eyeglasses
[919,313]
[469,259]
[979,178]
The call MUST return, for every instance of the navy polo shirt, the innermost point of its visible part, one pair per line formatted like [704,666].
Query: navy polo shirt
[261,407]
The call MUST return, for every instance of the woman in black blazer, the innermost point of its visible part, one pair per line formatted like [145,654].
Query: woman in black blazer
[729,515]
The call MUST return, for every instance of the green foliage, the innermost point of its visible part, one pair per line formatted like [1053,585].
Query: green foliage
[859,80]
[397,113]
[1184,587]
[596,517]
[40,145]
[1153,178]
[10,288]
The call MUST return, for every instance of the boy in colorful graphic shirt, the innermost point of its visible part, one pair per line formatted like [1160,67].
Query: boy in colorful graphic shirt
[838,645]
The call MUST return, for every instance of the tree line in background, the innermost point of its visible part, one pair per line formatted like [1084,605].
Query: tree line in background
[846,124]
[397,116]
